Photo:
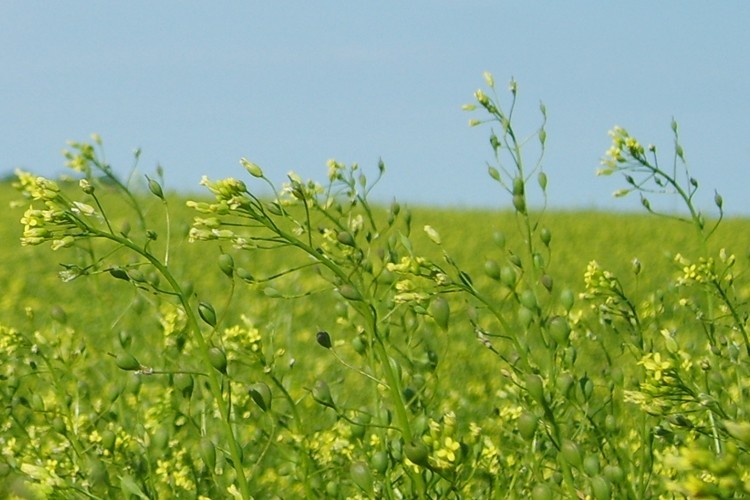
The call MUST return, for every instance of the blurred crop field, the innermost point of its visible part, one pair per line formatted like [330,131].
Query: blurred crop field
[59,376]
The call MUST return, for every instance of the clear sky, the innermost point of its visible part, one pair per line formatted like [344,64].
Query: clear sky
[290,84]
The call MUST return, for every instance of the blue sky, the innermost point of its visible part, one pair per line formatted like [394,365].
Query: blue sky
[197,85]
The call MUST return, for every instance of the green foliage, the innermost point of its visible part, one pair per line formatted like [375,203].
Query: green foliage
[315,344]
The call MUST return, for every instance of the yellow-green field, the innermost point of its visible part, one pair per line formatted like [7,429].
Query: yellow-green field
[624,385]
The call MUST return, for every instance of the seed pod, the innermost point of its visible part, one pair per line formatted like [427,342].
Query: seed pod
[58,314]
[499,238]
[126,361]
[440,311]
[494,173]
[322,394]
[518,186]
[361,421]
[571,452]
[519,203]
[137,275]
[359,345]
[208,453]
[226,264]
[528,300]
[119,273]
[547,282]
[417,452]
[542,177]
[559,330]
[492,269]
[591,465]
[251,168]
[527,423]
[508,276]
[379,461]
[108,440]
[184,383]
[361,476]
[207,313]
[535,387]
[274,208]
[349,292]
[324,339]
[155,188]
[218,359]
[346,238]
[564,383]
[244,274]
[261,394]
[567,299]
[546,236]
[542,491]
[614,473]
[600,488]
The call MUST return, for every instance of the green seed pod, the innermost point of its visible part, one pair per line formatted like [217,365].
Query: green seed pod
[274,208]
[261,394]
[527,424]
[207,313]
[519,203]
[349,292]
[525,316]
[134,384]
[187,288]
[324,339]
[244,275]
[208,453]
[137,275]
[542,491]
[591,465]
[322,394]
[58,314]
[515,260]
[570,356]
[359,345]
[218,359]
[567,299]
[564,382]
[542,177]
[546,236]
[499,238]
[538,260]
[601,488]
[119,273]
[535,387]
[361,421]
[508,276]
[559,330]
[108,440]
[361,476]
[494,173]
[126,361]
[155,188]
[571,452]
[611,425]
[226,264]
[346,238]
[614,473]
[528,300]
[379,462]
[547,282]
[492,269]
[738,430]
[417,452]
[518,186]
[587,387]
[718,200]
[440,311]
[160,439]
[251,168]
[184,383]
[58,424]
